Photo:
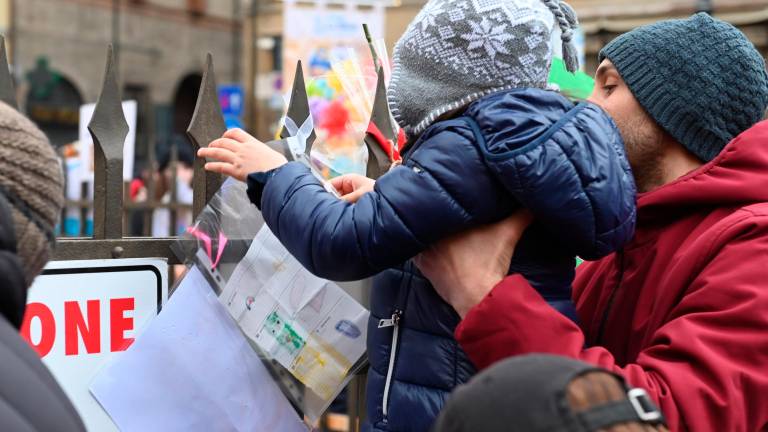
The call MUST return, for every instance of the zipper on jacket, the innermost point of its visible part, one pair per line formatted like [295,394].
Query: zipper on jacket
[386,323]
[609,306]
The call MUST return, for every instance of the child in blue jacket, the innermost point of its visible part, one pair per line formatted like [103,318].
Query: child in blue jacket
[486,138]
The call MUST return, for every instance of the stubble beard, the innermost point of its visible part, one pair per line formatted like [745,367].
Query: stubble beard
[644,143]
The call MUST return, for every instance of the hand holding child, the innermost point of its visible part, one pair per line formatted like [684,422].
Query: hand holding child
[466,267]
[238,154]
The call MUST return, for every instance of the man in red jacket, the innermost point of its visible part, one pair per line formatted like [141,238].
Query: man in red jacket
[682,310]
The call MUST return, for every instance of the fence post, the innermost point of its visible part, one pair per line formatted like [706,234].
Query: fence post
[207,125]
[378,161]
[298,107]
[7,90]
[108,128]
[298,111]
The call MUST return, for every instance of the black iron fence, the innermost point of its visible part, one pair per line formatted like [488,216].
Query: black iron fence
[109,128]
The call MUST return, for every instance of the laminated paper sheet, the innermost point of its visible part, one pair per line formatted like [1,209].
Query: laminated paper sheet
[311,326]
[193,370]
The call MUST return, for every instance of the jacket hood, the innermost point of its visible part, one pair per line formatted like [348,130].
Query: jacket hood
[738,176]
[564,163]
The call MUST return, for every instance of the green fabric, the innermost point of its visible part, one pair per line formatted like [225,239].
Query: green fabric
[574,86]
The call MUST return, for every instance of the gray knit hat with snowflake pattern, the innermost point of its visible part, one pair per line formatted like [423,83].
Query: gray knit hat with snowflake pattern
[458,51]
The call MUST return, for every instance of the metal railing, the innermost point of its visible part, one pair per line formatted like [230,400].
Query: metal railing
[109,128]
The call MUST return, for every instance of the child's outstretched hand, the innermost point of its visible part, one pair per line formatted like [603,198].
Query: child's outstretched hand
[238,154]
[352,186]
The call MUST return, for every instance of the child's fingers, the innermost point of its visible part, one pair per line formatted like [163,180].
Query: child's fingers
[343,184]
[217,167]
[226,143]
[222,168]
[347,183]
[338,183]
[354,196]
[220,154]
[238,134]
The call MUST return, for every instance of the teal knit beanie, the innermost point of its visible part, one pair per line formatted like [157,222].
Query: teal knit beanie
[699,78]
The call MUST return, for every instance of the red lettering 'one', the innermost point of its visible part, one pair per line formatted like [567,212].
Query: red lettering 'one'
[119,323]
[47,327]
[74,323]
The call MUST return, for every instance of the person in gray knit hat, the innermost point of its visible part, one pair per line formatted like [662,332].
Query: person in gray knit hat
[680,310]
[32,180]
[458,51]
[485,138]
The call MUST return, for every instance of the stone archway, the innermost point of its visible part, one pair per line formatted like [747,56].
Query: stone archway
[53,103]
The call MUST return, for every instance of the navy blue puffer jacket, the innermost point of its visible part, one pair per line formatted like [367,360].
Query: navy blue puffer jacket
[530,148]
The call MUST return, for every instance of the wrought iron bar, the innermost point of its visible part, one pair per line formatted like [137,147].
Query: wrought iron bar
[134,247]
[207,125]
[116,28]
[109,129]
[174,193]
[298,111]
[378,161]
[7,90]
[298,107]
[85,204]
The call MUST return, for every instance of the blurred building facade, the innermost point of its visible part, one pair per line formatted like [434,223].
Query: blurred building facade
[58,46]
[58,51]
[601,21]
[604,20]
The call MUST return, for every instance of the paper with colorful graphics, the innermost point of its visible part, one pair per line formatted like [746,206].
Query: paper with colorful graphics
[311,326]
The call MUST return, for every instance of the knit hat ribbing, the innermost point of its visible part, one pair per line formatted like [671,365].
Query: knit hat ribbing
[32,180]
[699,78]
[458,51]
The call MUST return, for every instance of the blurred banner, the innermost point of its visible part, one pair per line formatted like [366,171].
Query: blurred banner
[339,73]
[317,34]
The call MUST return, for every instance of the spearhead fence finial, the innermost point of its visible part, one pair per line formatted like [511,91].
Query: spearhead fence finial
[298,107]
[108,128]
[207,125]
[378,160]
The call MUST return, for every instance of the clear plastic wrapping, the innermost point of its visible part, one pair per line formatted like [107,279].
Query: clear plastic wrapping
[309,332]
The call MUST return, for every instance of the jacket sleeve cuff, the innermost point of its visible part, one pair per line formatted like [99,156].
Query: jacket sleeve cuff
[256,184]
[514,319]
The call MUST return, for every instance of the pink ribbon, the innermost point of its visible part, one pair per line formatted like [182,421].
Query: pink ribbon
[208,244]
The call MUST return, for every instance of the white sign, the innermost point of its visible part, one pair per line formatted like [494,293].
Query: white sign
[80,314]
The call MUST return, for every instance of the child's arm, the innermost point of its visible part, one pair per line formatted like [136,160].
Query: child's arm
[443,188]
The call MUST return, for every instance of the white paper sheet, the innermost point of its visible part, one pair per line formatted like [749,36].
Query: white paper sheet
[311,326]
[193,370]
